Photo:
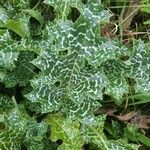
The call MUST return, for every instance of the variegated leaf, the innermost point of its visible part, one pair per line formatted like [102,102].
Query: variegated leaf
[94,133]
[62,7]
[9,51]
[3,17]
[22,72]
[35,134]
[13,124]
[140,66]
[65,130]
[116,72]
[70,72]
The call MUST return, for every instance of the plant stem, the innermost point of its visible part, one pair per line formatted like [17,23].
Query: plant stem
[64,11]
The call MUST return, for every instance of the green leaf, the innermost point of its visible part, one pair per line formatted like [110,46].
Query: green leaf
[143,139]
[13,124]
[147,22]
[13,18]
[35,14]
[62,7]
[122,144]
[139,96]
[35,134]
[66,130]
[114,128]
[6,104]
[146,9]
[20,4]
[9,51]
[3,17]
[70,72]
[83,110]
[16,26]
[22,72]
[94,134]
[116,72]
[140,67]
[132,133]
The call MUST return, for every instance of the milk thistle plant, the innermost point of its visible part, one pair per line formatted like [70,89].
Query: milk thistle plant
[55,71]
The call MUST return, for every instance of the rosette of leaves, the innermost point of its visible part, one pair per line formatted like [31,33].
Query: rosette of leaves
[72,77]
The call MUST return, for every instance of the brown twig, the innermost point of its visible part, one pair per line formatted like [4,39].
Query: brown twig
[130,13]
